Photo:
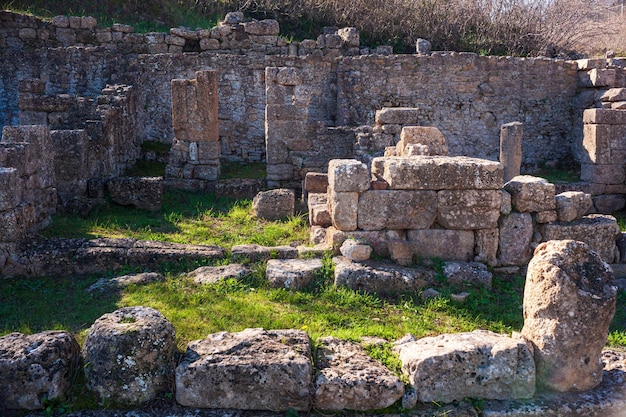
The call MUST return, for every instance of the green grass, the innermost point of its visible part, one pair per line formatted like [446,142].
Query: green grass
[186,217]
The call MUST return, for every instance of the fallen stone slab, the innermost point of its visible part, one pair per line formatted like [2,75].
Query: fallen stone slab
[118,283]
[214,274]
[531,194]
[274,204]
[254,369]
[355,251]
[37,366]
[479,364]
[348,379]
[253,253]
[381,277]
[292,273]
[473,273]
[144,193]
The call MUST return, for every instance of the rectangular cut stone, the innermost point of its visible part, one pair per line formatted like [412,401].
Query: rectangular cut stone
[390,209]
[397,115]
[602,174]
[10,188]
[531,194]
[598,231]
[194,108]
[377,239]
[28,117]
[316,182]
[516,233]
[468,209]
[599,147]
[439,173]
[604,116]
[452,245]
[486,246]
[71,153]
[348,175]
[343,210]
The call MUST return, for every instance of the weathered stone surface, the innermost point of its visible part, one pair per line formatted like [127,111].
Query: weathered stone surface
[531,194]
[214,274]
[262,27]
[468,209]
[253,253]
[397,115]
[547,216]
[396,209]
[432,140]
[348,175]
[602,174]
[37,366]
[600,232]
[344,210]
[453,245]
[316,182]
[572,205]
[472,273]
[569,298]
[380,277]
[480,364]
[292,273]
[355,251]
[604,116]
[511,149]
[614,94]
[603,145]
[130,353]
[516,233]
[118,283]
[142,192]
[194,107]
[348,379]
[378,240]
[438,173]
[319,213]
[274,204]
[486,246]
[251,370]
[609,203]
[506,206]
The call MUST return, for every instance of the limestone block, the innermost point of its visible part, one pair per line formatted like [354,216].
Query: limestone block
[438,173]
[348,379]
[343,210]
[16,222]
[293,274]
[599,232]
[31,85]
[194,108]
[397,115]
[66,36]
[288,76]
[108,285]
[72,155]
[209,172]
[253,252]
[130,353]
[214,274]
[600,146]
[232,18]
[531,194]
[350,36]
[473,273]
[547,216]
[44,103]
[254,369]
[608,203]
[11,188]
[355,250]
[37,366]
[506,206]
[208,44]
[33,118]
[423,46]
[277,172]
[184,33]
[603,77]
[614,94]
[572,205]
[486,246]
[88,22]
[377,239]
[381,277]
[400,251]
[262,27]
[431,139]
[511,149]
[468,209]
[319,215]
[569,295]
[316,182]
[480,364]
[516,233]
[144,193]
[619,105]
[395,209]
[348,175]
[604,116]
[274,204]
[61,21]
[602,174]
[453,245]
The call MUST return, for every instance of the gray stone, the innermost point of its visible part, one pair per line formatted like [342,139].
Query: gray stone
[355,251]
[480,364]
[214,274]
[572,205]
[531,194]
[348,175]
[254,369]
[468,209]
[264,27]
[516,233]
[598,231]
[506,206]
[348,379]
[292,274]
[422,47]
[344,210]
[473,273]
[397,115]
[252,253]
[36,367]
[569,297]
[609,203]
[396,209]
[486,246]
[274,204]
[118,283]
[130,353]
[350,36]
[453,245]
[511,149]
[430,138]
[381,278]
[378,240]
[233,18]
[144,193]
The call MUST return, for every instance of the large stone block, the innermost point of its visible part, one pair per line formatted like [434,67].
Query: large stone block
[569,302]
[598,231]
[511,148]
[194,108]
[377,239]
[348,175]
[397,115]
[453,245]
[292,273]
[516,233]
[392,209]
[130,353]
[73,155]
[600,147]
[344,210]
[468,209]
[480,364]
[486,246]
[36,367]
[432,140]
[144,193]
[602,174]
[251,370]
[348,379]
[274,204]
[604,116]
[10,188]
[572,205]
[438,173]
[531,194]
